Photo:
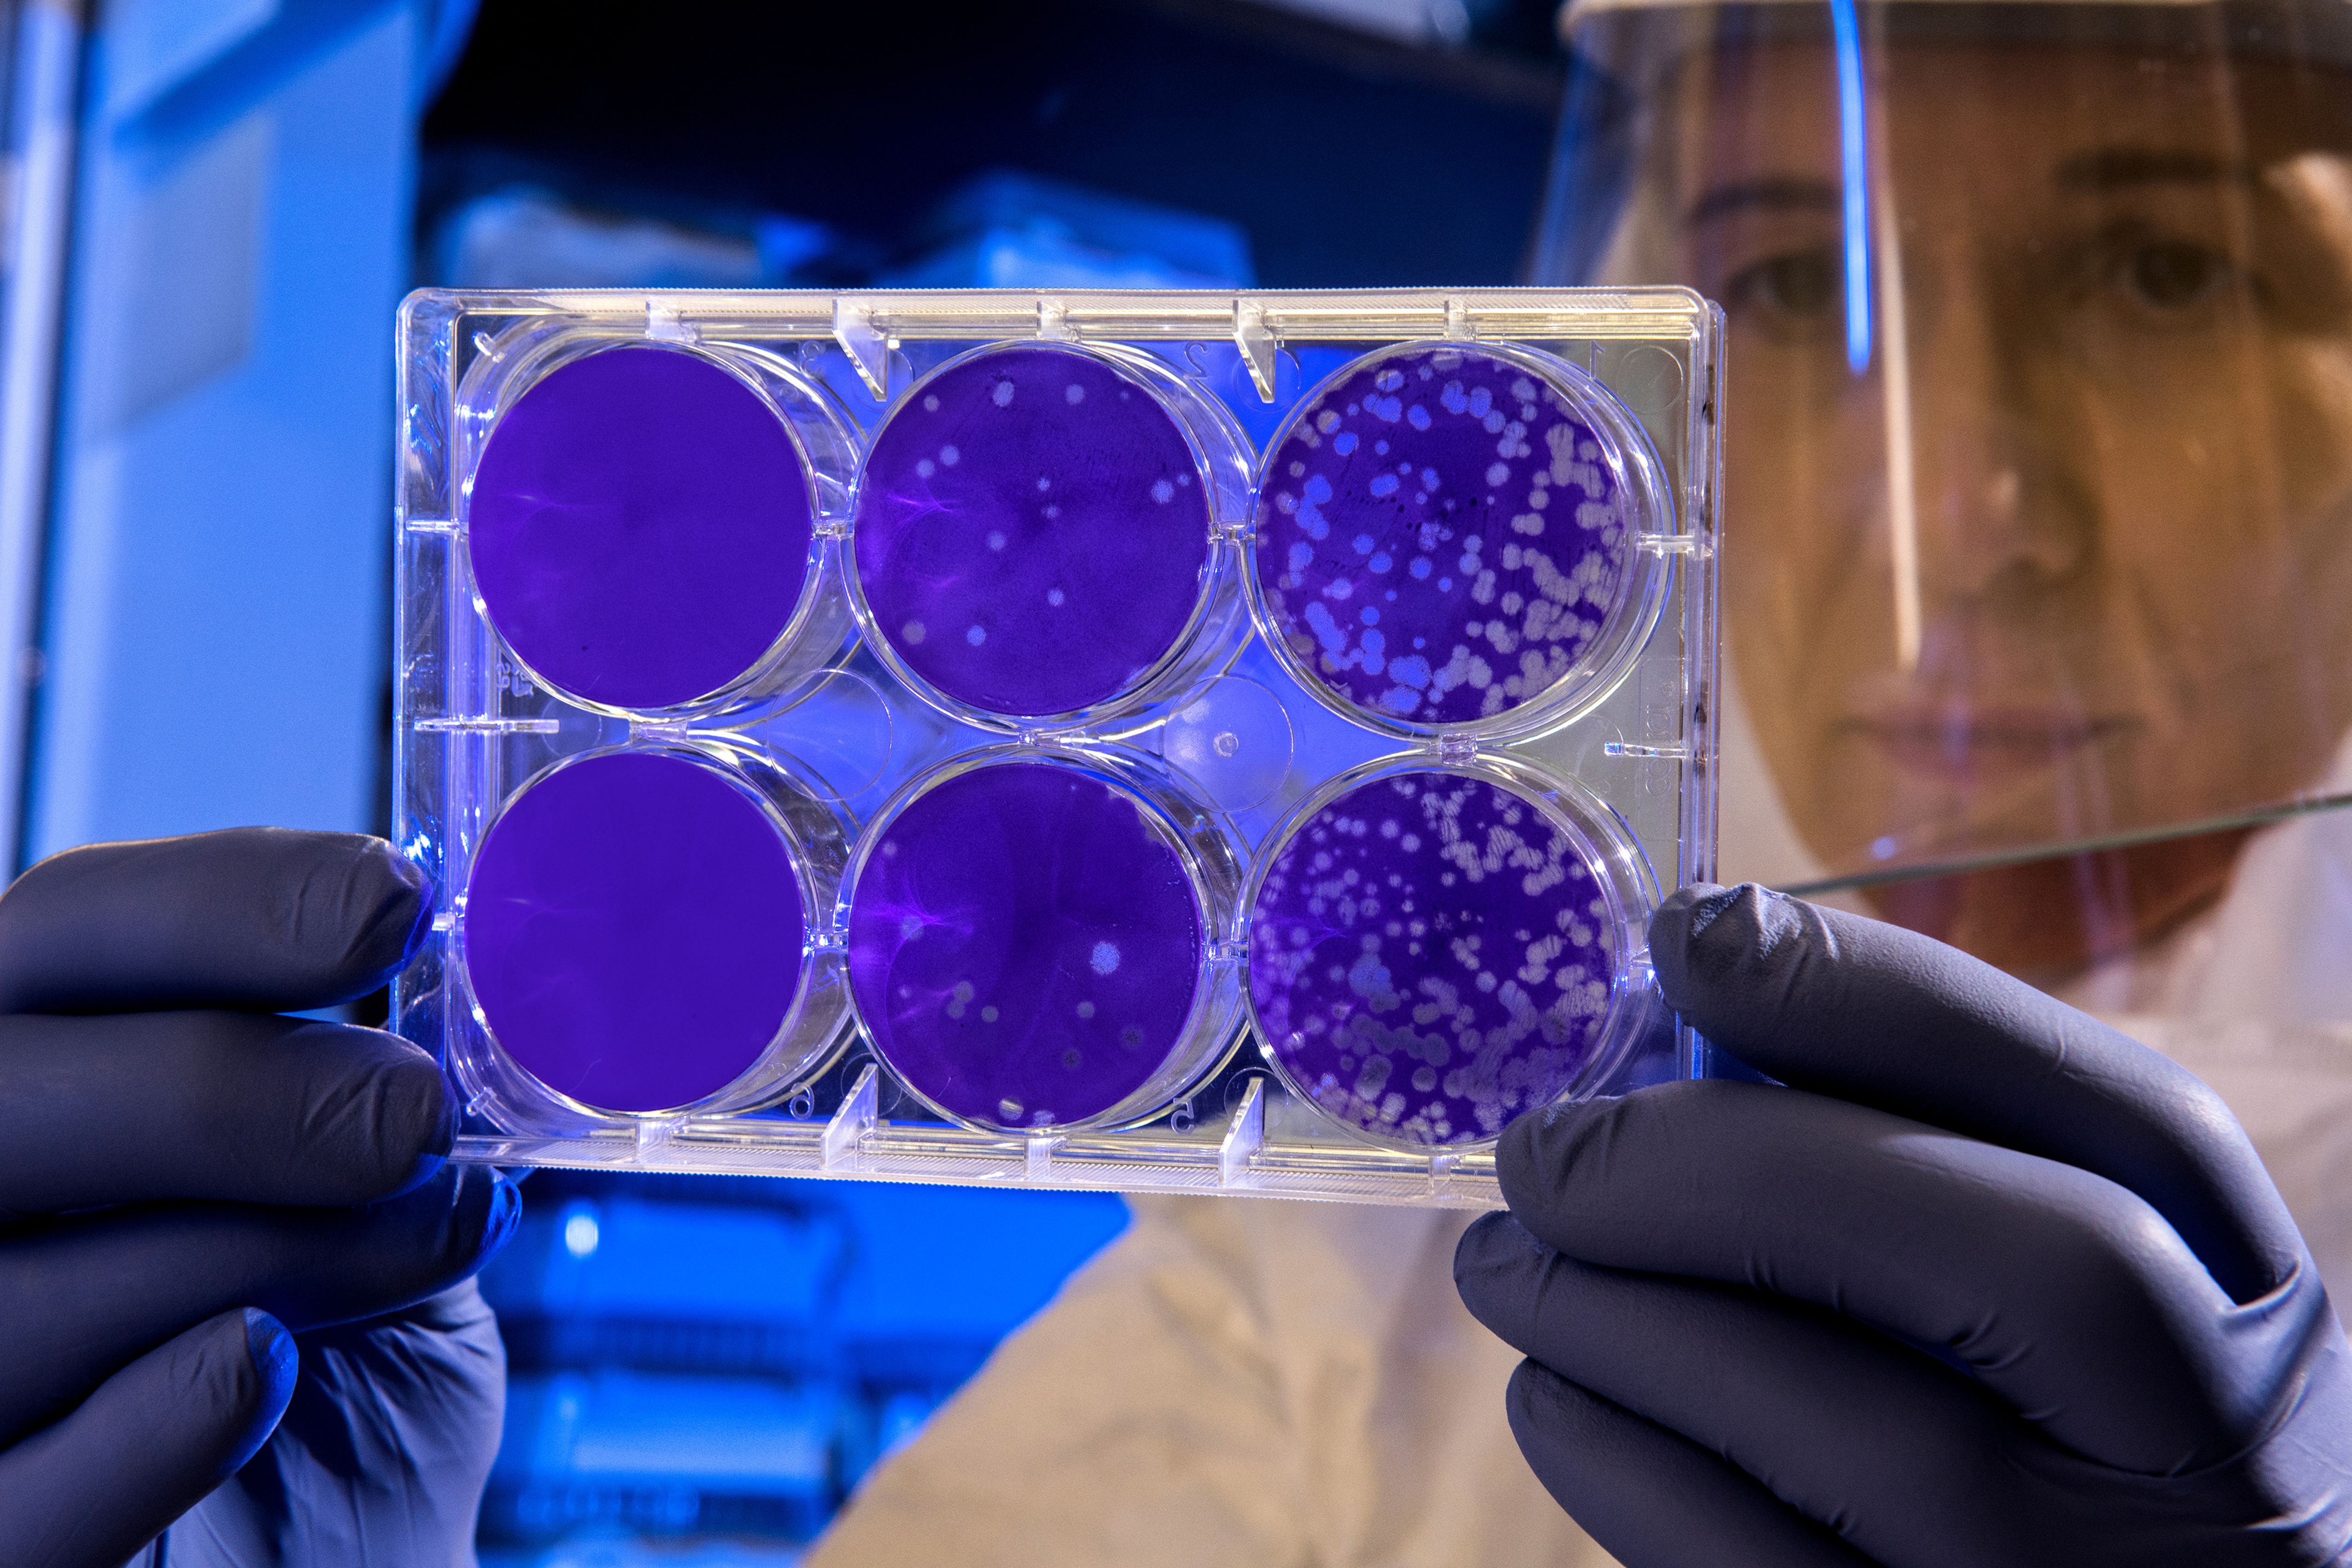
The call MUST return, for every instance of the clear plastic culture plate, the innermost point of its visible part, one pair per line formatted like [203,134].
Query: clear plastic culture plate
[1161,741]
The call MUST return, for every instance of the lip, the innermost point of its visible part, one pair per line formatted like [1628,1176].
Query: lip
[1972,742]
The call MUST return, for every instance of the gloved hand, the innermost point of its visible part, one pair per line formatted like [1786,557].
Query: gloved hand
[381,1456]
[187,1181]
[1987,1284]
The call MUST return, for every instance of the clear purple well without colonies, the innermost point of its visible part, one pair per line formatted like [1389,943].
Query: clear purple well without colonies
[1024,947]
[1428,957]
[1439,538]
[639,528]
[634,932]
[1031,530]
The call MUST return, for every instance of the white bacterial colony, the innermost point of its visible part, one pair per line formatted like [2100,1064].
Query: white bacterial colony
[1432,956]
[1443,538]
[1030,475]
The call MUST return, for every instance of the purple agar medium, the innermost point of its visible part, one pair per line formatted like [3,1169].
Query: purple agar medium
[1024,947]
[1031,531]
[639,528]
[1439,536]
[1429,956]
[634,932]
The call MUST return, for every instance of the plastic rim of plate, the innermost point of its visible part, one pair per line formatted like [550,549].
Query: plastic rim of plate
[1433,951]
[1028,948]
[640,529]
[1109,602]
[1033,539]
[1445,539]
[635,934]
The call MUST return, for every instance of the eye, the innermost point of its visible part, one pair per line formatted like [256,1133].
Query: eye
[1799,288]
[2173,275]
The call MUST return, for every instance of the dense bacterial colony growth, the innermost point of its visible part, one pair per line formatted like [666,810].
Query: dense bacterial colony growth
[1024,946]
[1031,530]
[1429,956]
[1440,537]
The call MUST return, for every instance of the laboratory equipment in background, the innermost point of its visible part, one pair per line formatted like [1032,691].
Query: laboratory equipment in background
[218,201]
[701,1356]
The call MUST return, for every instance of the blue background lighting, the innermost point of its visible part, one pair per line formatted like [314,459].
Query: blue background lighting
[702,1368]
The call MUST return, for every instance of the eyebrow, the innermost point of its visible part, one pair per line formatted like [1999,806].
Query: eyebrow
[2122,168]
[1778,195]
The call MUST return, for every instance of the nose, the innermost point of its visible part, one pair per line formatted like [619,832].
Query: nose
[2002,516]
[1999,516]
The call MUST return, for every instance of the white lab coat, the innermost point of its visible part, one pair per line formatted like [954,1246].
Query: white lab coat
[1248,1381]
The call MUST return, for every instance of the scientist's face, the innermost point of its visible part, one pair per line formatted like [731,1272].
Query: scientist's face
[2115,592]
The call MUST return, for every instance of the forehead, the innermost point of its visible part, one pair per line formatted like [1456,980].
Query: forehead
[1991,110]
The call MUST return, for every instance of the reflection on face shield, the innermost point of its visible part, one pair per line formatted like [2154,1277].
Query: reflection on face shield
[2039,500]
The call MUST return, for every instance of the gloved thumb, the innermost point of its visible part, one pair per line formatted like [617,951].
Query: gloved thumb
[146,1446]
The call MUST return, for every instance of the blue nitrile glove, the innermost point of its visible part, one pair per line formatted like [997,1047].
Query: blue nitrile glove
[1987,1284]
[185,1177]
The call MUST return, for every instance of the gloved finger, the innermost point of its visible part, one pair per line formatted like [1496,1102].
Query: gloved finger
[389,1439]
[1651,1497]
[146,1446]
[1837,1421]
[2067,1295]
[264,918]
[81,1296]
[246,1107]
[1871,1013]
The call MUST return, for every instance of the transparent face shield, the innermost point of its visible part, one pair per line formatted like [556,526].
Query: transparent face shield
[2038,501]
